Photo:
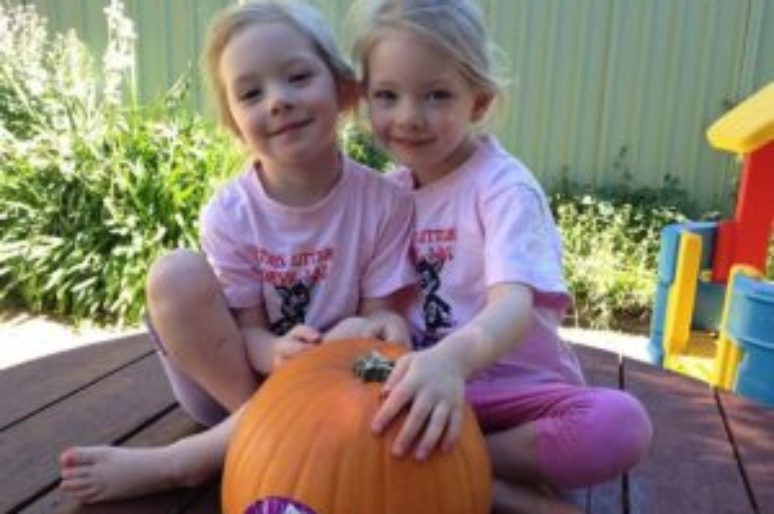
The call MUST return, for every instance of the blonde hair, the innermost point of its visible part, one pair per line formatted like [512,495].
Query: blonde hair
[296,14]
[455,27]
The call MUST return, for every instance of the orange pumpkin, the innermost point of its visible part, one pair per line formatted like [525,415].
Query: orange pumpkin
[304,445]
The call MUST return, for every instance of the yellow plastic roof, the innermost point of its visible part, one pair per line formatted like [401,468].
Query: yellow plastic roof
[748,126]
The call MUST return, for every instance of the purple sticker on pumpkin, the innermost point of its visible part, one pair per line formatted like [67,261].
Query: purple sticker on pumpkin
[278,505]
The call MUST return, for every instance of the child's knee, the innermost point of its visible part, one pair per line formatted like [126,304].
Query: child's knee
[620,436]
[629,430]
[610,438]
[180,278]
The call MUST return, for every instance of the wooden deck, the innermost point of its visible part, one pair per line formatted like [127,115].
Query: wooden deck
[712,452]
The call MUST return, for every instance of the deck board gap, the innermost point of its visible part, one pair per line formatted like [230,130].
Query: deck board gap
[40,493]
[621,378]
[73,392]
[737,454]
[145,424]
[625,494]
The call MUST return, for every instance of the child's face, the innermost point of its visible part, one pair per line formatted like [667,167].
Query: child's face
[280,93]
[420,106]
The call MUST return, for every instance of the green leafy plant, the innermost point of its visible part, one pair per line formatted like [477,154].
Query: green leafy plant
[361,146]
[93,186]
[611,240]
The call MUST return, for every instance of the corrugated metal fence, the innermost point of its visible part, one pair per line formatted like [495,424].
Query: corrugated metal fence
[602,90]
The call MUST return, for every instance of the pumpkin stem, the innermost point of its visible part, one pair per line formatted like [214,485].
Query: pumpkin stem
[374,367]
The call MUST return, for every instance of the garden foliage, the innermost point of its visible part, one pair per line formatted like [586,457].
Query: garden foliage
[611,242]
[95,185]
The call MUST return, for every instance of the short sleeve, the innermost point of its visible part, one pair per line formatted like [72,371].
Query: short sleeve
[222,234]
[522,242]
[390,268]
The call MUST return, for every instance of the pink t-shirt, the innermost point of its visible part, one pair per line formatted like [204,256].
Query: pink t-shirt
[488,222]
[310,264]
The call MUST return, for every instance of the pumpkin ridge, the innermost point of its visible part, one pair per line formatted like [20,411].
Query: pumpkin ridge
[301,391]
[322,425]
[273,412]
[471,432]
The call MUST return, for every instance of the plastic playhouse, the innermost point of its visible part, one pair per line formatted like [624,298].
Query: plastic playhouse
[713,313]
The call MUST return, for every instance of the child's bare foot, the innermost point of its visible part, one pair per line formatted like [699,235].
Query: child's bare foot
[522,499]
[100,473]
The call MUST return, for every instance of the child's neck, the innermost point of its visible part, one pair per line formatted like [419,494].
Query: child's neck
[426,176]
[303,183]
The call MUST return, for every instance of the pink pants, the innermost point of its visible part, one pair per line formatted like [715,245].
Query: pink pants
[585,435]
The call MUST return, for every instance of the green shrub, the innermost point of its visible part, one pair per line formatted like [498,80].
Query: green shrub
[360,145]
[611,241]
[92,186]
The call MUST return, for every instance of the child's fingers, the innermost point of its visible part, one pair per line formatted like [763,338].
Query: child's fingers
[420,410]
[395,334]
[453,430]
[396,400]
[296,347]
[433,431]
[396,375]
[305,333]
[290,348]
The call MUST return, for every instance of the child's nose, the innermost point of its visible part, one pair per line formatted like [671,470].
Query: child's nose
[410,115]
[280,100]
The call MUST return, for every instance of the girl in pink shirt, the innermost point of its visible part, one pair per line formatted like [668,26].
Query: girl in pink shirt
[489,258]
[304,245]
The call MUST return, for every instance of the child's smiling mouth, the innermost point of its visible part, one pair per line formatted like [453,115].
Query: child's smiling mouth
[411,143]
[290,127]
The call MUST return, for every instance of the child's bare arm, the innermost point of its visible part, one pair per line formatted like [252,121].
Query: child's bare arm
[431,383]
[265,350]
[495,331]
[378,317]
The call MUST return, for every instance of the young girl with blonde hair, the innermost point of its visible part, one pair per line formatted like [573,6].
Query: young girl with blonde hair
[301,247]
[489,256]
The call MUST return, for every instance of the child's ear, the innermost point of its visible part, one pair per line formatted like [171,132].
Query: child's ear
[481,103]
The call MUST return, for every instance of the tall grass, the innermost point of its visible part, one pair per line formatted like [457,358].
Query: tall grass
[93,186]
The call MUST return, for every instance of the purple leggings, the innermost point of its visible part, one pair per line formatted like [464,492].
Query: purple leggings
[192,397]
[585,435]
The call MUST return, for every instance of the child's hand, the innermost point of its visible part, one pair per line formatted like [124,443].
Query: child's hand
[432,385]
[384,326]
[348,328]
[389,326]
[298,339]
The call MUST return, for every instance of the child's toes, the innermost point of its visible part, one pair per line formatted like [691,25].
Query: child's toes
[75,456]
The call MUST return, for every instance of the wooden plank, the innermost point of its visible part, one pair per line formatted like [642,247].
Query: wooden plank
[103,413]
[38,383]
[752,430]
[691,467]
[602,369]
[172,426]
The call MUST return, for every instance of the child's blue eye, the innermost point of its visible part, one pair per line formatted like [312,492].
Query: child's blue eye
[250,95]
[439,95]
[384,96]
[300,78]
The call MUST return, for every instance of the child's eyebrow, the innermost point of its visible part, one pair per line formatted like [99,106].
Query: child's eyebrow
[299,60]
[245,79]
[282,66]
